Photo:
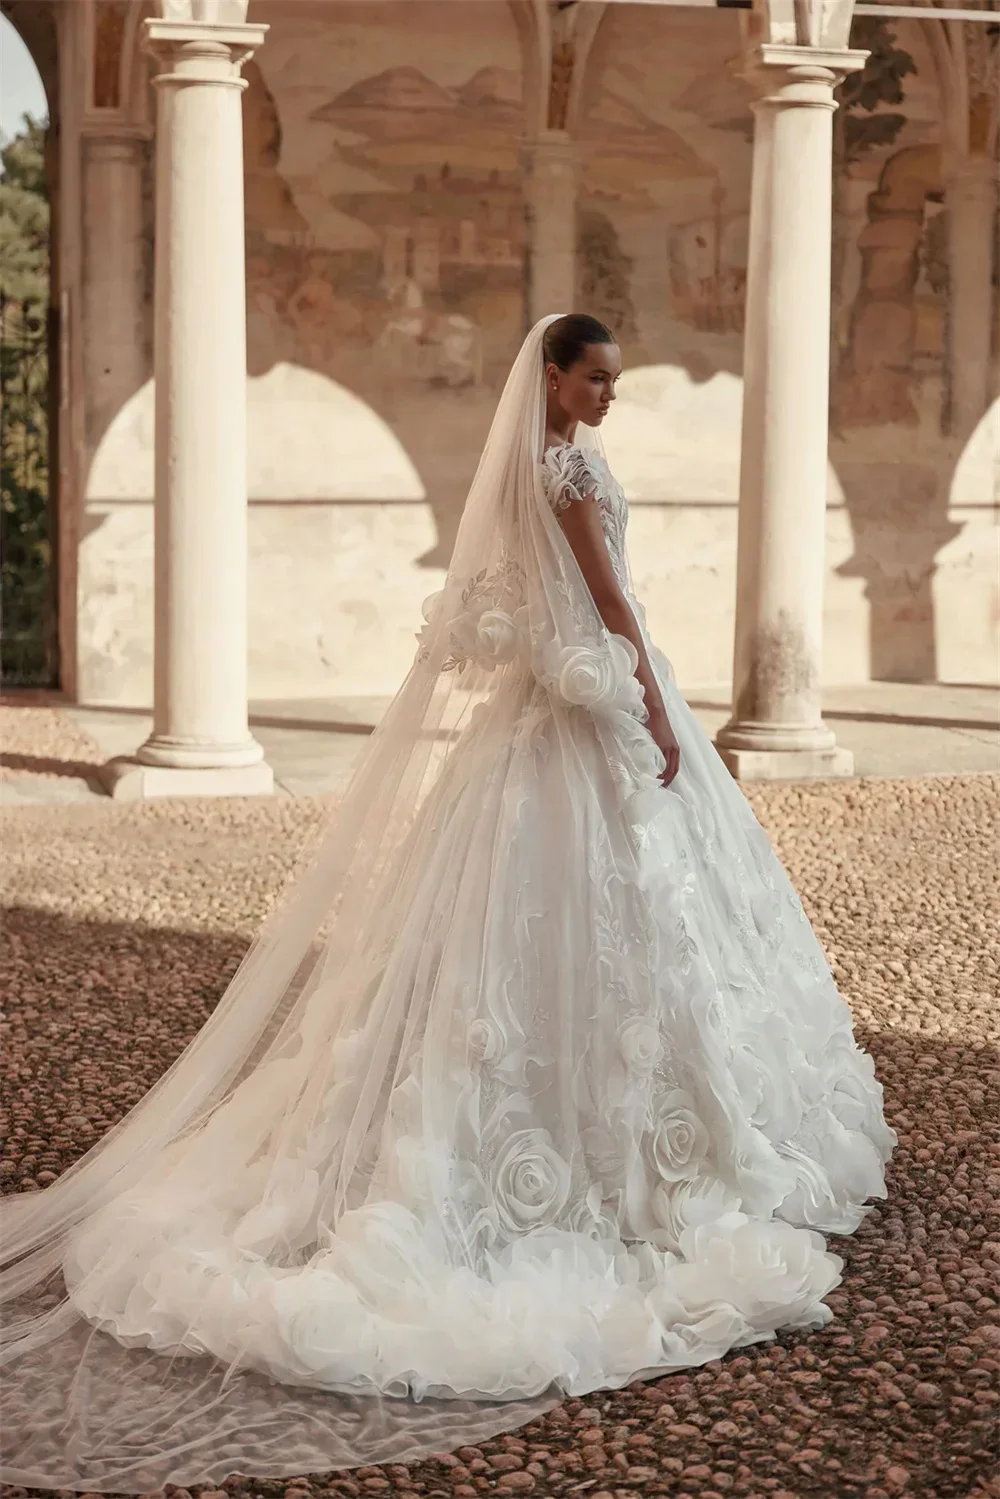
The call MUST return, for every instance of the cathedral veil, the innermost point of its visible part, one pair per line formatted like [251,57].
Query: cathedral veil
[536,1081]
[269,1129]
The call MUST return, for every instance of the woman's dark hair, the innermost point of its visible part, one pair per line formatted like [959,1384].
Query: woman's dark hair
[566,339]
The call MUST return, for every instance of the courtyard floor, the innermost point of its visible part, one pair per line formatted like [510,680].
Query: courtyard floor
[893,729]
[123,923]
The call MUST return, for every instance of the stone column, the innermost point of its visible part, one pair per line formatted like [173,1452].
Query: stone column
[552,180]
[776,729]
[971,201]
[113,353]
[201,742]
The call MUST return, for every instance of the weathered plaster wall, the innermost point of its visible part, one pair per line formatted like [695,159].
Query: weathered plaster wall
[386,274]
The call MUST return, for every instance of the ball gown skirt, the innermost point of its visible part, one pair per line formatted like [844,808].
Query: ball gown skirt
[595,1105]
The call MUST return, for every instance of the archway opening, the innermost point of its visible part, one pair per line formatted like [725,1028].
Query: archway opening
[28,590]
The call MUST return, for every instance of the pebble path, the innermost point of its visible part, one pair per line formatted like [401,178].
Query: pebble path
[123,924]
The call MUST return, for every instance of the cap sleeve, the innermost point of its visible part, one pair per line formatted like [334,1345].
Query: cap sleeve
[567,477]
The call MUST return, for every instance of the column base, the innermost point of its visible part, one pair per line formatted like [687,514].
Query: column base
[129,780]
[787,764]
[169,752]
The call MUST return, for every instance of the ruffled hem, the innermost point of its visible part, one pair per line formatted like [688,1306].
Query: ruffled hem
[654,1206]
[379,1311]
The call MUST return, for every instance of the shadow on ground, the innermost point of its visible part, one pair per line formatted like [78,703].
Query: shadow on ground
[897,1397]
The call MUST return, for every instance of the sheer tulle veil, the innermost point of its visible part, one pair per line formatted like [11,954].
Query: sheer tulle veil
[267,1126]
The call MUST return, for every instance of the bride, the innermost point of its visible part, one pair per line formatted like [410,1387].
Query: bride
[535,1083]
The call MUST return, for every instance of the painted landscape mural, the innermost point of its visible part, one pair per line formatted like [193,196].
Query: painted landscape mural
[388,254]
[677,218]
[400,249]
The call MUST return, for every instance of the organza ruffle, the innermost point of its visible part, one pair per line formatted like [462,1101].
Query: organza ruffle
[548,1199]
[536,1081]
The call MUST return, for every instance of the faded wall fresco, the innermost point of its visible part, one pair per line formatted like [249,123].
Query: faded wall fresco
[666,178]
[890,271]
[913,489]
[919,483]
[384,205]
[386,269]
[386,253]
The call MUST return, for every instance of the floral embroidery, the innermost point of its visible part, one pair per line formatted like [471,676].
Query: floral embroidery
[570,476]
[489,629]
[678,1139]
[531,1181]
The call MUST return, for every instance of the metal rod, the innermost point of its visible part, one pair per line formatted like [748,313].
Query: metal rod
[924,12]
[890,12]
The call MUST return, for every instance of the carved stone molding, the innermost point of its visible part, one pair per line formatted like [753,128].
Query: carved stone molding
[802,23]
[967,58]
[556,37]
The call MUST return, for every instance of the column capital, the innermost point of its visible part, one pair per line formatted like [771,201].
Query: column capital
[107,131]
[553,150]
[115,137]
[202,51]
[786,73]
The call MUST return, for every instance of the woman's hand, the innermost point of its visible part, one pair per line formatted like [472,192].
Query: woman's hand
[581,524]
[666,742]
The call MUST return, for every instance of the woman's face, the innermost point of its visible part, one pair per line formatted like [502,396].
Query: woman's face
[585,391]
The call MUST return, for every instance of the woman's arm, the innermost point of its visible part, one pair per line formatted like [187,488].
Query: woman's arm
[581,524]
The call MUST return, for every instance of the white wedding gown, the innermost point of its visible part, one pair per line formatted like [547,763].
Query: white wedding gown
[590,1122]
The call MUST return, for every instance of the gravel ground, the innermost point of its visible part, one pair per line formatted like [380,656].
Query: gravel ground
[39,740]
[125,921]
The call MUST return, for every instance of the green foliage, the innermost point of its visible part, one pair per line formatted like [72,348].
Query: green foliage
[26,614]
[879,82]
[24,217]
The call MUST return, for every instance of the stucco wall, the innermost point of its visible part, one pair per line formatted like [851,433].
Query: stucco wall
[386,273]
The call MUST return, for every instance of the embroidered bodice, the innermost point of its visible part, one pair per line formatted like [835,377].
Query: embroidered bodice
[570,475]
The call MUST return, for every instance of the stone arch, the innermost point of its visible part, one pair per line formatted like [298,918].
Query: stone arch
[324,520]
[556,43]
[121,70]
[969,109]
[37,26]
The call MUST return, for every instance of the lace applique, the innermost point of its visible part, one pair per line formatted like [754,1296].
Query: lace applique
[488,623]
[567,477]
